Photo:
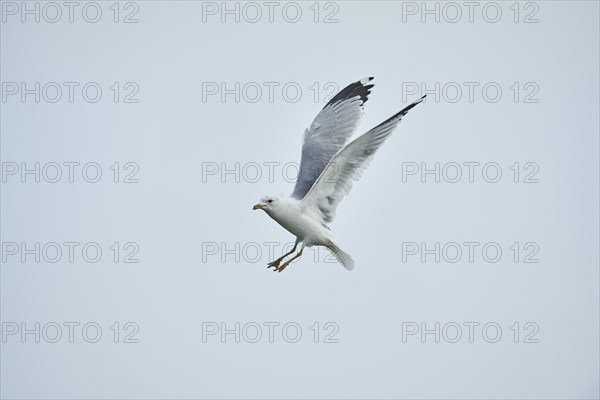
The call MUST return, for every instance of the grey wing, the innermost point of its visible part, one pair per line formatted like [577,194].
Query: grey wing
[329,132]
[347,166]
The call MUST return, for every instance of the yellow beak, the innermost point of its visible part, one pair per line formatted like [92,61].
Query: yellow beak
[258,206]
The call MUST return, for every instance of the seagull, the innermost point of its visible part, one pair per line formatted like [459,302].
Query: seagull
[328,168]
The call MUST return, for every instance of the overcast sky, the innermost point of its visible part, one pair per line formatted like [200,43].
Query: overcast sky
[474,230]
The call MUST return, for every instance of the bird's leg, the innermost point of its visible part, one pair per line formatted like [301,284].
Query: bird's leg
[285,264]
[276,263]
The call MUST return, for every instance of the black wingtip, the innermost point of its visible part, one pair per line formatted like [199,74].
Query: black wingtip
[403,112]
[360,89]
[410,106]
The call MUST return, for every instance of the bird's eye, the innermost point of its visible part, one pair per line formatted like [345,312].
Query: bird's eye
[269,201]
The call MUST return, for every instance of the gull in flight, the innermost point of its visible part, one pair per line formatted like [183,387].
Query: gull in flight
[327,171]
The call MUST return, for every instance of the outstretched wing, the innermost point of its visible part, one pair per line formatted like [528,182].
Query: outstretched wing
[347,166]
[329,132]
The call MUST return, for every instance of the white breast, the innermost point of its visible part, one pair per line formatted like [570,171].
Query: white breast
[291,215]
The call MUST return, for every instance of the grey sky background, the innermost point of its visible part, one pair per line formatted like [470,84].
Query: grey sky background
[183,224]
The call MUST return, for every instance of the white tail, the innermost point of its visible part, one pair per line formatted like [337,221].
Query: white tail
[343,258]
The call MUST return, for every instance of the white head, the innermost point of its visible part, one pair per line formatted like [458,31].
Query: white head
[267,204]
